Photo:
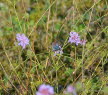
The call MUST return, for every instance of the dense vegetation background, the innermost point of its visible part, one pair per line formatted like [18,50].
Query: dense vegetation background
[45,22]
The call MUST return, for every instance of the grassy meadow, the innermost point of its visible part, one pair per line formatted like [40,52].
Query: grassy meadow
[47,25]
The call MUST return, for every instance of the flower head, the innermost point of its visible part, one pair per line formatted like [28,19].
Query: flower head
[58,52]
[70,90]
[23,40]
[82,42]
[45,90]
[74,38]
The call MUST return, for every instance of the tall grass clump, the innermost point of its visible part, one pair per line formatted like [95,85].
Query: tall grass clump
[53,47]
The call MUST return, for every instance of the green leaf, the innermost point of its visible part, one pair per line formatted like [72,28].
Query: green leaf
[105,90]
[69,71]
[57,26]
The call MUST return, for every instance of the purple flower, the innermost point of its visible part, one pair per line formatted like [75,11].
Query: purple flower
[23,40]
[45,90]
[74,38]
[58,52]
[70,89]
[82,42]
